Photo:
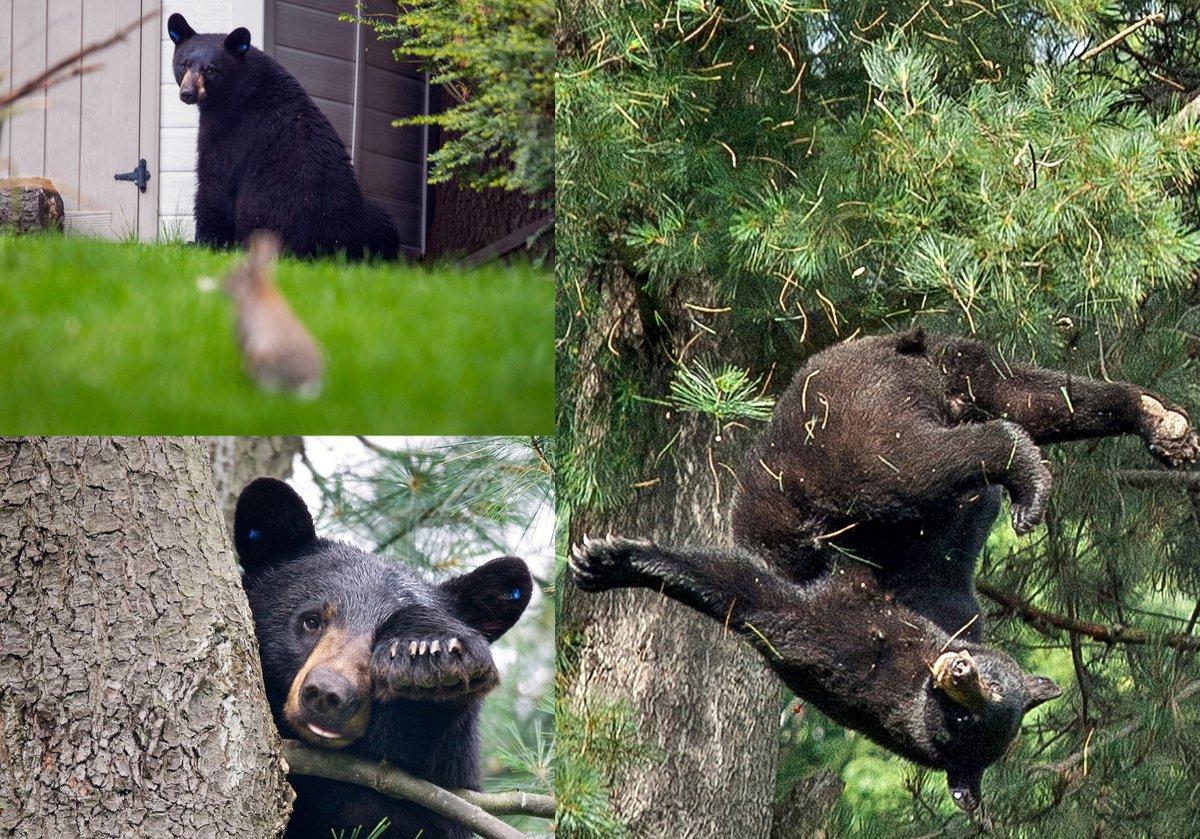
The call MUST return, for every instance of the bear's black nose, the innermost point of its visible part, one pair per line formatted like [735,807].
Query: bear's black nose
[330,696]
[188,96]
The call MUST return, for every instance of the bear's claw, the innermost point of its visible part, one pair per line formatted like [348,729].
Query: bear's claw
[435,668]
[602,564]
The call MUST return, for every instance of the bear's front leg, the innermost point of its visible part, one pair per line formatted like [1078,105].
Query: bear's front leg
[424,654]
[729,585]
[214,218]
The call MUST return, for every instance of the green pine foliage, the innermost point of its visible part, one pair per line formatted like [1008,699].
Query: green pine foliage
[726,394]
[919,189]
[597,743]
[495,62]
[836,168]
[441,504]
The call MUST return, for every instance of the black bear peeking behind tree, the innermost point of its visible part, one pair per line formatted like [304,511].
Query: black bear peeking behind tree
[858,519]
[360,654]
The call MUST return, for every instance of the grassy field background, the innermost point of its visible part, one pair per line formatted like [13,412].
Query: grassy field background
[100,337]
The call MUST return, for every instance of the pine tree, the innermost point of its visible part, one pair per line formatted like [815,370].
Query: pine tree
[746,183]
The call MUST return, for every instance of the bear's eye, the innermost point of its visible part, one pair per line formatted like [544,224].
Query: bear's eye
[311,622]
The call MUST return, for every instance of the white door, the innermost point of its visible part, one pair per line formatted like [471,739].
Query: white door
[93,126]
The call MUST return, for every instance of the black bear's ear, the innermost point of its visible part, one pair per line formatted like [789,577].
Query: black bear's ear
[911,342]
[238,40]
[1039,689]
[270,521]
[965,787]
[178,29]
[492,597]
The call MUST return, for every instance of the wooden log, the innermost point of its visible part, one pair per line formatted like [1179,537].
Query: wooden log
[30,204]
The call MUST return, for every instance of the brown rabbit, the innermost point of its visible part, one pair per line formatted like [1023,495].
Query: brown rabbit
[277,351]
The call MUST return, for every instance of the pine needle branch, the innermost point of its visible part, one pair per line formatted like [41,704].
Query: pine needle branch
[1042,620]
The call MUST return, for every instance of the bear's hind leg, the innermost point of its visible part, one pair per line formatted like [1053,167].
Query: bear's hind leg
[214,222]
[1055,407]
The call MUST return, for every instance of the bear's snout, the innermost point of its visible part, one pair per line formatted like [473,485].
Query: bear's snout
[330,696]
[329,704]
[191,87]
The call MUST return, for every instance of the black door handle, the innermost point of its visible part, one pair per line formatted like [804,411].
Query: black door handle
[139,176]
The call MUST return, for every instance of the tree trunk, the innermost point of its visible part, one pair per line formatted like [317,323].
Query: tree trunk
[131,701]
[236,461]
[703,697]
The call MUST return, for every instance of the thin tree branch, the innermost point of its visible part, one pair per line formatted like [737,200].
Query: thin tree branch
[537,450]
[1156,17]
[476,810]
[375,447]
[48,78]
[1042,619]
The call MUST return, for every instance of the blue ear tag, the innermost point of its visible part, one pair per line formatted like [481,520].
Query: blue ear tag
[253,534]
[242,49]
[516,594]
[174,36]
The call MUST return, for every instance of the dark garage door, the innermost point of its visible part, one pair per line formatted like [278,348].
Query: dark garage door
[361,88]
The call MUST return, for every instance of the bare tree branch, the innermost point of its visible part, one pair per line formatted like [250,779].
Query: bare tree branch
[51,76]
[476,810]
[1116,634]
[1156,17]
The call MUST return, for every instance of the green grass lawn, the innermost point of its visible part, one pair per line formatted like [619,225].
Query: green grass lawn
[100,337]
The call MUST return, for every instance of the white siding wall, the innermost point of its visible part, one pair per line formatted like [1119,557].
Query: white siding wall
[178,122]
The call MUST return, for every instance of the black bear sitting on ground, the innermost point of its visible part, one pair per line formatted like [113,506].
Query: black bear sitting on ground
[859,516]
[267,158]
[360,654]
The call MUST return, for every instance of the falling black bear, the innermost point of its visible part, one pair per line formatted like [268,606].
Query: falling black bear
[859,516]
[360,654]
[267,158]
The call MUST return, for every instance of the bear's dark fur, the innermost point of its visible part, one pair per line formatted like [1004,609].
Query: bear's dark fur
[267,157]
[859,516]
[360,654]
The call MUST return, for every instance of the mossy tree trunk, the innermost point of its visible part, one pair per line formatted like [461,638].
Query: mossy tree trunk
[131,701]
[703,699]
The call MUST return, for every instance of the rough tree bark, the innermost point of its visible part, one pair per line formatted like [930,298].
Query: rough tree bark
[131,701]
[701,696]
[236,461]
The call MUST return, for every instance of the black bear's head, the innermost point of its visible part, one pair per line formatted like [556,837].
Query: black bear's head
[345,635]
[205,64]
[976,699]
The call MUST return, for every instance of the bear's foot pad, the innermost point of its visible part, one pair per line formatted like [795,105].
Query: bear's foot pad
[1168,432]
